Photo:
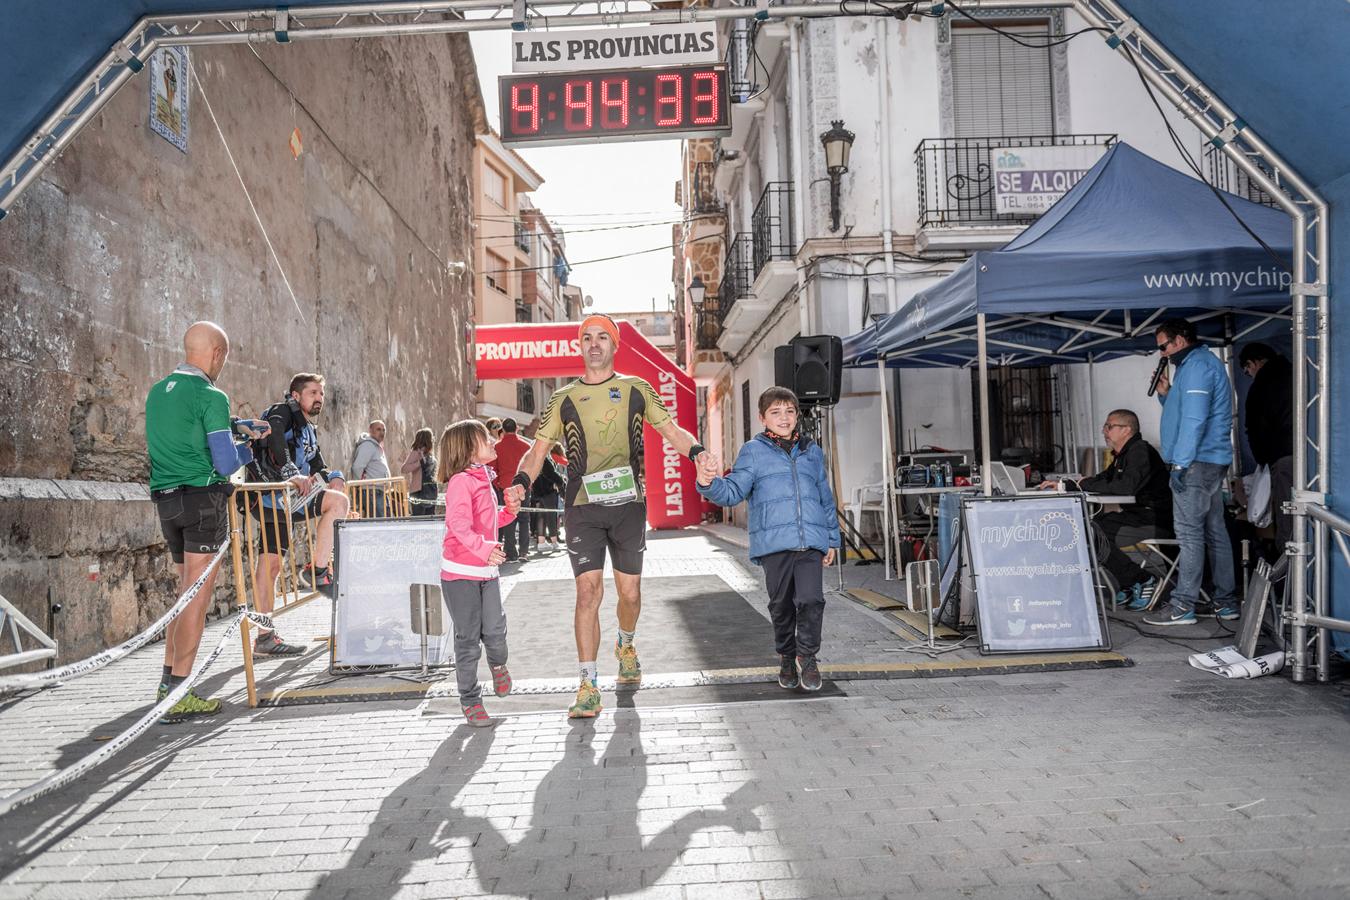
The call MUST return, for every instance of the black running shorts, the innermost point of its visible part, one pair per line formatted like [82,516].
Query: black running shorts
[274,532]
[194,520]
[592,529]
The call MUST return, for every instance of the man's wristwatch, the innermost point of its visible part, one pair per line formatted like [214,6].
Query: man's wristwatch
[521,479]
[695,450]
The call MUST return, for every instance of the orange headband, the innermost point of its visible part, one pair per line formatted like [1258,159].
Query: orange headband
[601,321]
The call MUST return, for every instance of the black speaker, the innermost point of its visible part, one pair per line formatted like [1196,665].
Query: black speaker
[783,369]
[818,361]
[811,367]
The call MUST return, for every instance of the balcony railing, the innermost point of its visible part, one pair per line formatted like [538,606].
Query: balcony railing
[522,238]
[524,397]
[737,272]
[702,195]
[741,69]
[956,177]
[707,322]
[1225,175]
[772,226]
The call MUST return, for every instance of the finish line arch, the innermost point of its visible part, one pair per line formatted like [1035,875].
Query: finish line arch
[553,351]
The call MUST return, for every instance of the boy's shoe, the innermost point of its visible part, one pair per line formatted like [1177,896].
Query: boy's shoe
[1228,613]
[588,702]
[190,707]
[1170,615]
[271,644]
[787,674]
[477,717]
[630,670]
[501,680]
[809,673]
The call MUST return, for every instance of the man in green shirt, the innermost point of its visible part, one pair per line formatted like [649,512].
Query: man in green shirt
[190,436]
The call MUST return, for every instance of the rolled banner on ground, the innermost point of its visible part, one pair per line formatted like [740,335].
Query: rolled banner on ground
[51,677]
[1228,662]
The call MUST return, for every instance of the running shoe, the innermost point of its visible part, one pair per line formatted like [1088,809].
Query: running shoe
[1141,594]
[630,670]
[477,717]
[787,674]
[588,702]
[1228,613]
[270,644]
[501,680]
[320,580]
[809,672]
[190,707]
[1170,615]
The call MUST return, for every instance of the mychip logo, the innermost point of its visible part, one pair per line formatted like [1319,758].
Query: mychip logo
[1056,530]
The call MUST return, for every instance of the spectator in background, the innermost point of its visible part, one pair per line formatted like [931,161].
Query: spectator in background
[419,468]
[1270,427]
[510,449]
[369,461]
[494,427]
[546,490]
[1197,425]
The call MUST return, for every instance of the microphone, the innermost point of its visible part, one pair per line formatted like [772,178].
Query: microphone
[1157,376]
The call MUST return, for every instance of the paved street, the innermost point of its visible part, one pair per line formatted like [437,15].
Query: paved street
[1154,780]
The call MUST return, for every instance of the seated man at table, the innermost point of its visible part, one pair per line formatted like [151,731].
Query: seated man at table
[1137,471]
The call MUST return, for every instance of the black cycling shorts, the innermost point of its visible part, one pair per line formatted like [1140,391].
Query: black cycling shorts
[273,529]
[194,520]
[592,529]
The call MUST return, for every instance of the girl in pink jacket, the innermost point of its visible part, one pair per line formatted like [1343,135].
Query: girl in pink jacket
[469,560]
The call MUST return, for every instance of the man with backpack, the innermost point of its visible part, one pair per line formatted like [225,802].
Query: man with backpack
[291,453]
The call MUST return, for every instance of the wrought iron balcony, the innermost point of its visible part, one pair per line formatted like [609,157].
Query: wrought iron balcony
[707,322]
[737,273]
[956,177]
[740,63]
[702,197]
[525,397]
[522,238]
[1225,175]
[772,226]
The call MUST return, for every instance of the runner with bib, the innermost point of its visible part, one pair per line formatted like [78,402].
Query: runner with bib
[598,420]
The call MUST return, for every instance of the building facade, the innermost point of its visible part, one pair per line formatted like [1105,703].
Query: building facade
[931,103]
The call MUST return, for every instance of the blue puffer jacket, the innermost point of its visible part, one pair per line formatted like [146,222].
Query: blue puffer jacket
[791,504]
[1197,416]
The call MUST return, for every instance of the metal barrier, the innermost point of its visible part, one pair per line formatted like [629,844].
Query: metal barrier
[380,498]
[247,525]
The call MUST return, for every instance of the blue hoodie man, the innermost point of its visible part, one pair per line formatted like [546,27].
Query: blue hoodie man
[1197,445]
[794,528]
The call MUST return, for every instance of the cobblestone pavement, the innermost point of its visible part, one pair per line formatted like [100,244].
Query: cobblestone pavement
[1150,781]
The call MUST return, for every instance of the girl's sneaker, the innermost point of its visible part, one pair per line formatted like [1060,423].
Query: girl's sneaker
[787,674]
[501,680]
[477,717]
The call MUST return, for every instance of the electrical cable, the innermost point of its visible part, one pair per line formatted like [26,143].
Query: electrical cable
[1016,39]
[665,247]
[509,237]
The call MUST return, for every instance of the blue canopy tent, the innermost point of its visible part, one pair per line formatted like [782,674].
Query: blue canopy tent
[1135,241]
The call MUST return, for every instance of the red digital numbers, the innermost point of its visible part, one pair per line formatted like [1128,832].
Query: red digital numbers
[577,97]
[669,101]
[703,98]
[525,108]
[614,103]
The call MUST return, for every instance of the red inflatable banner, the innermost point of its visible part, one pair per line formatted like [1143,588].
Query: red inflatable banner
[553,351]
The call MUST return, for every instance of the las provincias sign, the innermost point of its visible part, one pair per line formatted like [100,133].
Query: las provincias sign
[576,50]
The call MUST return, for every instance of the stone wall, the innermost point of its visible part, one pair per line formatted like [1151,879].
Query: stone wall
[127,240]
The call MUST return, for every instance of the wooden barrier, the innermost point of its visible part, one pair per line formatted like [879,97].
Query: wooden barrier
[379,498]
[246,528]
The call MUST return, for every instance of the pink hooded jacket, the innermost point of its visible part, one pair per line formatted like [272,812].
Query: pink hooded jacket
[472,518]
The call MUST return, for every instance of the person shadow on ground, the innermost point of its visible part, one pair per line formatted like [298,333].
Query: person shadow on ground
[585,833]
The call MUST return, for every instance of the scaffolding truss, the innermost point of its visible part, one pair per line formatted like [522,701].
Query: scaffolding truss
[1221,126]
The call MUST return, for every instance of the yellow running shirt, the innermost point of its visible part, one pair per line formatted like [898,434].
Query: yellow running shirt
[600,427]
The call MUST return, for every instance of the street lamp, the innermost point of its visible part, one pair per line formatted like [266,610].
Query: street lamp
[696,292]
[838,141]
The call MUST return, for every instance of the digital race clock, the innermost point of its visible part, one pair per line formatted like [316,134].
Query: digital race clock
[614,105]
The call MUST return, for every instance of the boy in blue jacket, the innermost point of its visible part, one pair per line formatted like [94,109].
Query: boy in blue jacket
[794,528]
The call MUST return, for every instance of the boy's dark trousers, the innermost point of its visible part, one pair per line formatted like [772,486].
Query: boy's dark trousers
[796,583]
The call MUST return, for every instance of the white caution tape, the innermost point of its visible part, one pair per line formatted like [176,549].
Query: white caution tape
[112,654]
[69,774]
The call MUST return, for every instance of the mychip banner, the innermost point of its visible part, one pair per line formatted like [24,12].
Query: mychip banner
[378,562]
[1033,563]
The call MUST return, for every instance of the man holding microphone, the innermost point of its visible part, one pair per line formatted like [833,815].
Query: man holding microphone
[1197,424]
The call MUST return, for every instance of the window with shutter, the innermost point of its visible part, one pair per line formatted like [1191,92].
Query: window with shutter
[1000,88]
